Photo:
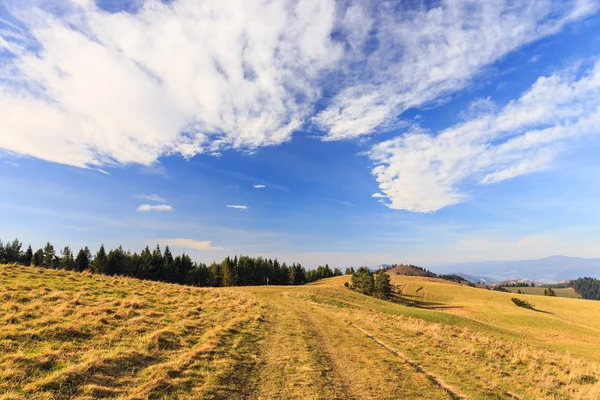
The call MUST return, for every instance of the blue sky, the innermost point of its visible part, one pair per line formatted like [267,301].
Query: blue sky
[348,133]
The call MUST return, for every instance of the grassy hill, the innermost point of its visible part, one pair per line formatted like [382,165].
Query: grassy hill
[407,270]
[560,292]
[69,335]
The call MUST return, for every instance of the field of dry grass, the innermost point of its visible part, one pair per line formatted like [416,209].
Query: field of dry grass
[68,335]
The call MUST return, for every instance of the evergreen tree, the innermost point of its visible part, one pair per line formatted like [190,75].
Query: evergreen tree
[12,251]
[38,258]
[2,253]
[67,261]
[349,271]
[382,287]
[214,271]
[49,260]
[28,256]
[115,261]
[98,266]
[82,261]
[362,280]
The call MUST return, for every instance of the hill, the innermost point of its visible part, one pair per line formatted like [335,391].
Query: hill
[77,335]
[408,270]
[549,269]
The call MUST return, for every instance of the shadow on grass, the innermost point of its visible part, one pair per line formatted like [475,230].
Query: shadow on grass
[415,301]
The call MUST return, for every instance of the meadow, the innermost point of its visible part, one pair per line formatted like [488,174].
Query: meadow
[560,292]
[77,335]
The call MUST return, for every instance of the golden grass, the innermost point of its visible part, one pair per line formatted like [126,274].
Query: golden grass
[68,335]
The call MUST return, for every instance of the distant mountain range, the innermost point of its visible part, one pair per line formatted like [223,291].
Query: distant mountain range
[549,269]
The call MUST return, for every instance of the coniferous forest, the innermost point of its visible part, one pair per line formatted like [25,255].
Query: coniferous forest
[159,265]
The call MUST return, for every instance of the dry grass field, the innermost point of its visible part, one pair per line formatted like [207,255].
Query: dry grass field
[560,292]
[69,335]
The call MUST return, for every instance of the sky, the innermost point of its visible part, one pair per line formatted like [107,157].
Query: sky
[346,132]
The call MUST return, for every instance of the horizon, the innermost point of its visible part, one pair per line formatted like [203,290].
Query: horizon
[319,132]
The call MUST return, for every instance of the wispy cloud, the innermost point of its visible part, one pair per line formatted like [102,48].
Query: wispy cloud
[259,186]
[152,197]
[424,171]
[189,244]
[238,87]
[378,195]
[237,207]
[12,164]
[148,208]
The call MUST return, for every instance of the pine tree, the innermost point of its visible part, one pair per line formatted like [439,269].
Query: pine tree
[49,260]
[382,287]
[82,261]
[362,280]
[28,256]
[100,260]
[67,261]
[38,258]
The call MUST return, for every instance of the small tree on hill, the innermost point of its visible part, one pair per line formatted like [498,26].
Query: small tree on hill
[549,292]
[362,280]
[382,287]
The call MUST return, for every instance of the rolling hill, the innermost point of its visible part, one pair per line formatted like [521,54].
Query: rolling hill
[77,335]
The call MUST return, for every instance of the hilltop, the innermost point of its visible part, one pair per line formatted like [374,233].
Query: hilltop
[78,335]
[408,270]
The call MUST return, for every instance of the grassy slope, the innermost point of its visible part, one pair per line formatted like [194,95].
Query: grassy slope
[561,323]
[561,292]
[68,335]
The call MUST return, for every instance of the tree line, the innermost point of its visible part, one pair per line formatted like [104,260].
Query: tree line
[158,265]
[587,288]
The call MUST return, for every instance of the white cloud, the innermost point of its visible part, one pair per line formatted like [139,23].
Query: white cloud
[425,54]
[259,186]
[152,197]
[184,78]
[238,207]
[190,244]
[148,208]
[189,77]
[424,172]
[378,195]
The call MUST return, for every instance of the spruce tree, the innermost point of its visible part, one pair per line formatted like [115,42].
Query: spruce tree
[49,256]
[67,261]
[100,260]
[382,287]
[82,261]
[362,280]
[28,256]
[38,258]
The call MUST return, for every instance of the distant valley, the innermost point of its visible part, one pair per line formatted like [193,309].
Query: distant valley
[549,269]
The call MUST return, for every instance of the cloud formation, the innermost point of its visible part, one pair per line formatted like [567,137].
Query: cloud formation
[237,207]
[423,171]
[189,244]
[105,90]
[259,186]
[152,197]
[148,208]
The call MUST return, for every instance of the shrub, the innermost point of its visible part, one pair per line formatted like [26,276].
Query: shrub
[523,303]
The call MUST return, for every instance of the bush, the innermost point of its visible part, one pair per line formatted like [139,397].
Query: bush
[523,303]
